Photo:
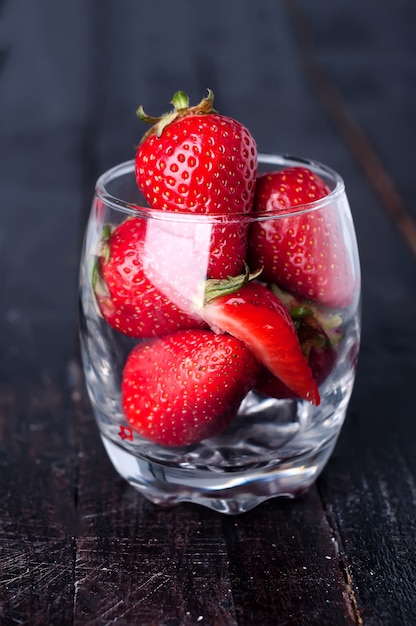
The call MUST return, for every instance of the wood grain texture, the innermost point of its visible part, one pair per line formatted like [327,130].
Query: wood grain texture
[371,502]
[36,502]
[287,567]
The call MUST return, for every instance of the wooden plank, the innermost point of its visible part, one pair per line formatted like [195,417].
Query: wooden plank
[372,507]
[287,567]
[160,576]
[371,501]
[36,499]
[36,579]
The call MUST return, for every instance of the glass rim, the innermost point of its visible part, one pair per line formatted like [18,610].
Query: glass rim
[264,159]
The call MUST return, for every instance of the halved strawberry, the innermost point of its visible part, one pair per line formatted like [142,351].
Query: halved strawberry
[303,253]
[179,389]
[195,160]
[255,316]
[131,291]
[320,334]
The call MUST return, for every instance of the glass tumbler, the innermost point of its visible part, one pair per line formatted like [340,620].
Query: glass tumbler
[187,407]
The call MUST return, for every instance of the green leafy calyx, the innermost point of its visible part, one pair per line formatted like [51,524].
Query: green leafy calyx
[226,286]
[181,108]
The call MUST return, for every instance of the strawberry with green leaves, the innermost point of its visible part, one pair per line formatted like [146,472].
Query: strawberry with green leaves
[195,160]
[187,386]
[126,286]
[258,318]
[303,253]
[319,333]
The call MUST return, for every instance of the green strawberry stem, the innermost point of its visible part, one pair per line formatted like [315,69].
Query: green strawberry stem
[225,286]
[180,101]
[180,109]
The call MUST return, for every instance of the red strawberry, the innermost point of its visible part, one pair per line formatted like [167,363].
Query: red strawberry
[196,161]
[179,389]
[319,335]
[255,316]
[305,252]
[126,286]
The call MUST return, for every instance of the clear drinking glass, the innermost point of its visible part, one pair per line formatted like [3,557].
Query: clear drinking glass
[272,445]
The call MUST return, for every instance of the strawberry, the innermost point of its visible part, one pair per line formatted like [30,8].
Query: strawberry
[126,288]
[303,253]
[319,334]
[184,387]
[255,316]
[195,160]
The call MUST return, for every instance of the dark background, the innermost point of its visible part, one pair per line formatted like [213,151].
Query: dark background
[331,81]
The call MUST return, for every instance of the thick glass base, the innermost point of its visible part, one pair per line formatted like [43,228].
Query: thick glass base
[230,492]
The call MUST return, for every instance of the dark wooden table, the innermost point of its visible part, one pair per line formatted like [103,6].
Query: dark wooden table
[332,81]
